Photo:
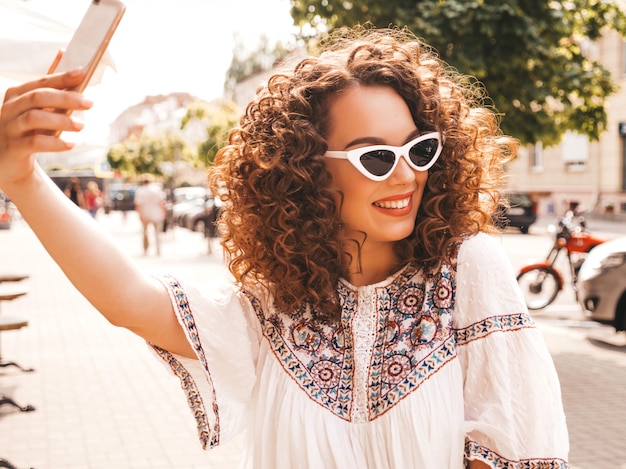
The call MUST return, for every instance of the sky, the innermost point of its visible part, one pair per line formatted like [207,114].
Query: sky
[164,46]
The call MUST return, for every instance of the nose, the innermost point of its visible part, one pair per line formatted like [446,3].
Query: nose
[402,172]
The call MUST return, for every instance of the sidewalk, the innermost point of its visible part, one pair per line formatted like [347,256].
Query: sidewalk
[102,400]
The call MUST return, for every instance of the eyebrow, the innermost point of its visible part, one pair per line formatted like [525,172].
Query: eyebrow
[379,141]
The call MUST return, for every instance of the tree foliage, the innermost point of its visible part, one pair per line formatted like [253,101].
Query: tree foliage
[147,154]
[218,117]
[529,54]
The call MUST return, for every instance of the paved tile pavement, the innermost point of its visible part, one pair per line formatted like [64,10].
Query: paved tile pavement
[591,362]
[103,401]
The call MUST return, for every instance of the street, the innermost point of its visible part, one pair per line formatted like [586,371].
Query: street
[590,359]
[103,401]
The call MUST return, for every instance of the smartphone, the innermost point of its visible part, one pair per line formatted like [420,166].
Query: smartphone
[90,40]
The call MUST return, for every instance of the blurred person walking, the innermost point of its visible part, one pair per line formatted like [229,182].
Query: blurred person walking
[75,192]
[150,204]
[93,198]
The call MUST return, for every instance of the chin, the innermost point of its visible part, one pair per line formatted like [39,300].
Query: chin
[399,235]
[405,230]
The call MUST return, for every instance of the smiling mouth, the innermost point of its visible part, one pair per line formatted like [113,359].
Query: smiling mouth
[393,204]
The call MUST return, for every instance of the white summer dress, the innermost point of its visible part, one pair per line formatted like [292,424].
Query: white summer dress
[425,370]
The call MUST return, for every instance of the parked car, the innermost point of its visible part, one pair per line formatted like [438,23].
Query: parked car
[186,194]
[602,284]
[191,215]
[188,200]
[121,197]
[519,211]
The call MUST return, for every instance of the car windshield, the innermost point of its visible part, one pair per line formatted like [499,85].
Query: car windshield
[517,200]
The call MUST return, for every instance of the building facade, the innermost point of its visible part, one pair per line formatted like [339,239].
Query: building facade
[577,172]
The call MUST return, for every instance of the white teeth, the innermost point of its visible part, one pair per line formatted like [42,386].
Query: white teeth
[394,203]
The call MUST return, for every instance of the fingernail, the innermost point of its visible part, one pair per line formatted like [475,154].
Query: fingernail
[78,125]
[75,72]
[84,102]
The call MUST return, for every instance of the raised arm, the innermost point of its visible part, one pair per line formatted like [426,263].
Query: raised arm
[89,256]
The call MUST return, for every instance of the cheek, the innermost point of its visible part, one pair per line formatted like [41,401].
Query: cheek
[354,191]
[337,169]
[421,177]
[346,178]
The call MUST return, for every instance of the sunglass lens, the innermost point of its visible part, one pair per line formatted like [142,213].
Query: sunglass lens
[423,152]
[378,162]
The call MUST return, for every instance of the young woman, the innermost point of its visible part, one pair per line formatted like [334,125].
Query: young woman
[371,321]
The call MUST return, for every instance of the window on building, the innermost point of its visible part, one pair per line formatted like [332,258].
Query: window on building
[576,167]
[575,151]
[535,156]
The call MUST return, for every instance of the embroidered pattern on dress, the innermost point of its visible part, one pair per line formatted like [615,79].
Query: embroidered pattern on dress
[481,329]
[311,353]
[473,449]
[389,341]
[208,435]
[415,336]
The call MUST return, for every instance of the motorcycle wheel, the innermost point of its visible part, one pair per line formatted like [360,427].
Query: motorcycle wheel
[540,287]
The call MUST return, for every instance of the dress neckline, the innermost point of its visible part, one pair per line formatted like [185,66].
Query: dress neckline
[383,283]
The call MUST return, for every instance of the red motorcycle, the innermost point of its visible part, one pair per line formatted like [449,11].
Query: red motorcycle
[541,282]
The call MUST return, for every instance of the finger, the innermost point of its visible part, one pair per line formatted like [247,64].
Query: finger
[38,143]
[44,99]
[57,80]
[42,121]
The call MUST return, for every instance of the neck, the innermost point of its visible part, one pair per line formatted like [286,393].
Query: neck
[372,264]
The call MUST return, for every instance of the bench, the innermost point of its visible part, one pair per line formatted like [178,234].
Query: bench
[8,323]
[11,295]
[12,277]
[11,323]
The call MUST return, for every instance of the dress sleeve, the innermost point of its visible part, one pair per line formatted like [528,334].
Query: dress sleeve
[513,409]
[221,328]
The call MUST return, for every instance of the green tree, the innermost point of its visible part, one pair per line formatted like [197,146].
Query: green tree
[529,54]
[147,153]
[218,117]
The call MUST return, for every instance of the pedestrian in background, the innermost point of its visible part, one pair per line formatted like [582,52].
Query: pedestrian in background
[93,198]
[150,205]
[372,321]
[75,192]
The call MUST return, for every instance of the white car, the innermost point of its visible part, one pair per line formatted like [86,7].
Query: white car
[602,284]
